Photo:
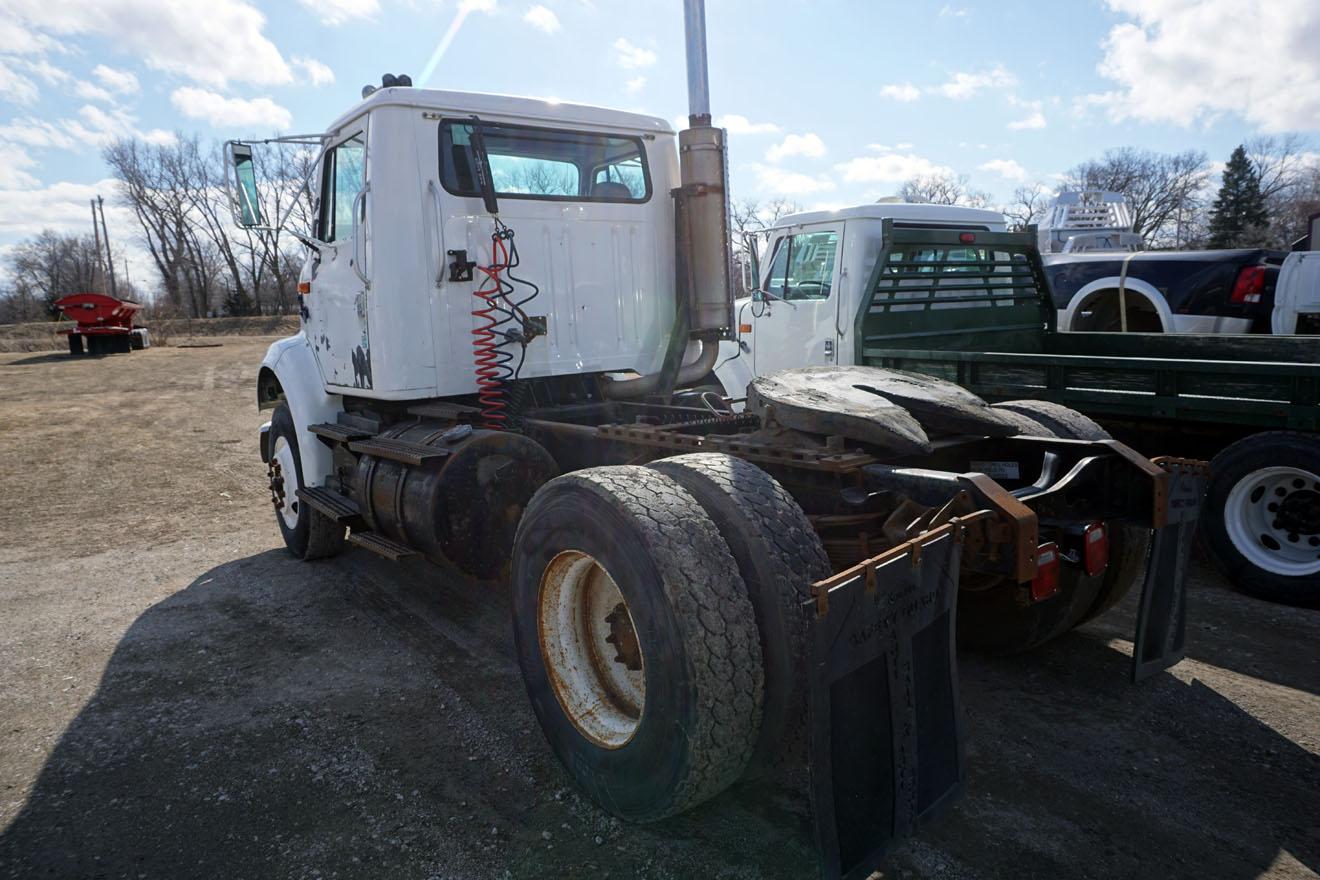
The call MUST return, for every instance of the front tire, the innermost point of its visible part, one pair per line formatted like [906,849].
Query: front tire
[636,639]
[1262,517]
[308,533]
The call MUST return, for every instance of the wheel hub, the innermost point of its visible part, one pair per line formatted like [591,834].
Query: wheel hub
[591,650]
[1272,516]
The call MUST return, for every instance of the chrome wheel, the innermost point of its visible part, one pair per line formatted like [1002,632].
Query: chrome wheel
[591,650]
[1272,516]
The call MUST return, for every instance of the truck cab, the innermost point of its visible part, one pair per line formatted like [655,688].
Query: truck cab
[809,280]
[388,283]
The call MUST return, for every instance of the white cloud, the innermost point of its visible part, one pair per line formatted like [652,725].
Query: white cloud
[1005,168]
[542,19]
[889,168]
[15,87]
[90,91]
[809,145]
[236,112]
[961,85]
[210,41]
[49,73]
[635,85]
[948,11]
[1183,62]
[1033,120]
[775,181]
[61,206]
[337,12]
[35,133]
[13,160]
[122,82]
[314,71]
[905,92]
[632,57]
[740,125]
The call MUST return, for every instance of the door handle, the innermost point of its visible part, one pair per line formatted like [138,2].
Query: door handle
[439,233]
[360,234]
[829,350]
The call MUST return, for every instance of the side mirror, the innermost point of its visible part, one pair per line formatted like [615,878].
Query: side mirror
[750,262]
[243,180]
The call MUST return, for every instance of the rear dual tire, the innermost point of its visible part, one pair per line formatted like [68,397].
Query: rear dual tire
[1003,619]
[708,557]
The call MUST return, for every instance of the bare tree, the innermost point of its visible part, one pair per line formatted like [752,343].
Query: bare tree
[1287,171]
[1030,202]
[45,268]
[944,189]
[1164,191]
[749,218]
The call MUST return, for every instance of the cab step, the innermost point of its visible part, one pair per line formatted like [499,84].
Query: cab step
[339,433]
[381,545]
[403,451]
[332,504]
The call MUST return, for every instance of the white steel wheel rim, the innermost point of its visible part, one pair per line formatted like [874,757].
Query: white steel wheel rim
[1272,516]
[288,470]
[591,653]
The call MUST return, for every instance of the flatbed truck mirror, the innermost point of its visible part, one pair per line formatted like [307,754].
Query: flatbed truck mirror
[243,198]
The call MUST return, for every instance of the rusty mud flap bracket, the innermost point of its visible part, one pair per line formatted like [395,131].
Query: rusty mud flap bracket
[1161,636]
[886,723]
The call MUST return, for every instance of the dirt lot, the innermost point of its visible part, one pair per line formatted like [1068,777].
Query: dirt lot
[178,697]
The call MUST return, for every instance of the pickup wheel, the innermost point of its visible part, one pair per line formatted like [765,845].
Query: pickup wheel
[308,533]
[637,640]
[778,555]
[1262,519]
[1003,619]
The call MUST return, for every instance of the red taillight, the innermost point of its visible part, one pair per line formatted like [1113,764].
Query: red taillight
[1250,286]
[1046,581]
[1095,549]
[967,238]
[304,287]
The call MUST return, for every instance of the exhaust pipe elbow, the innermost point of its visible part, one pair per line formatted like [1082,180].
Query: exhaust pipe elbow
[631,389]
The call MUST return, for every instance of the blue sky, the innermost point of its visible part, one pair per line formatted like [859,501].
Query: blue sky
[835,102]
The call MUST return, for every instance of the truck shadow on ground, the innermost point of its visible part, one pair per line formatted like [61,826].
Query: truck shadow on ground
[355,717]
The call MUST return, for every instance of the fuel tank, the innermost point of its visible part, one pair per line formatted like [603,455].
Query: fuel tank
[461,508]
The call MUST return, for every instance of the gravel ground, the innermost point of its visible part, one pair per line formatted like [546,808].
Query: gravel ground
[179,697]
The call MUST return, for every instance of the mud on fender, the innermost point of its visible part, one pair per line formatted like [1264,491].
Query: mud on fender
[886,723]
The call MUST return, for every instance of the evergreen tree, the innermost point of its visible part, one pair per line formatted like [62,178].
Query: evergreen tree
[1238,216]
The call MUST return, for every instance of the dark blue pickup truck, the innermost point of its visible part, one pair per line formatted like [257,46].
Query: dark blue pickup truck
[1222,291]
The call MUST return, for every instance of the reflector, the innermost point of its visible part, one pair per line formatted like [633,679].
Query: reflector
[1046,582]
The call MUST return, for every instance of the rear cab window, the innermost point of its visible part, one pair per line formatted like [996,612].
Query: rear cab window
[528,162]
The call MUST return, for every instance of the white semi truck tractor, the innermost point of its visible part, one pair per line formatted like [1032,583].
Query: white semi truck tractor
[509,309]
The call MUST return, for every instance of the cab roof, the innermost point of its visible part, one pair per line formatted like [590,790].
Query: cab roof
[480,104]
[904,211]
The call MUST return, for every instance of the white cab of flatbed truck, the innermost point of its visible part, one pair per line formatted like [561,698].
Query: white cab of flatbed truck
[812,272]
[594,230]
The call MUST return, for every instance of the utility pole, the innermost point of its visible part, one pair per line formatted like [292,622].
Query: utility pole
[109,258]
[96,232]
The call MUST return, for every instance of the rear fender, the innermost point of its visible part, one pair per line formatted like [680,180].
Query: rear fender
[292,365]
[1134,287]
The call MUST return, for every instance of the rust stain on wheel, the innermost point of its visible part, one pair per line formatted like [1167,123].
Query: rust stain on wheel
[591,650]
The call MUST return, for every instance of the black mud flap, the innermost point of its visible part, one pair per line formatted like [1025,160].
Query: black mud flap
[1161,638]
[886,728]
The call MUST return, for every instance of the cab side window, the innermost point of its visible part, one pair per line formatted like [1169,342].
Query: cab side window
[803,266]
[342,178]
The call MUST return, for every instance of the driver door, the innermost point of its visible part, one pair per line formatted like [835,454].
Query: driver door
[795,315]
[337,303]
